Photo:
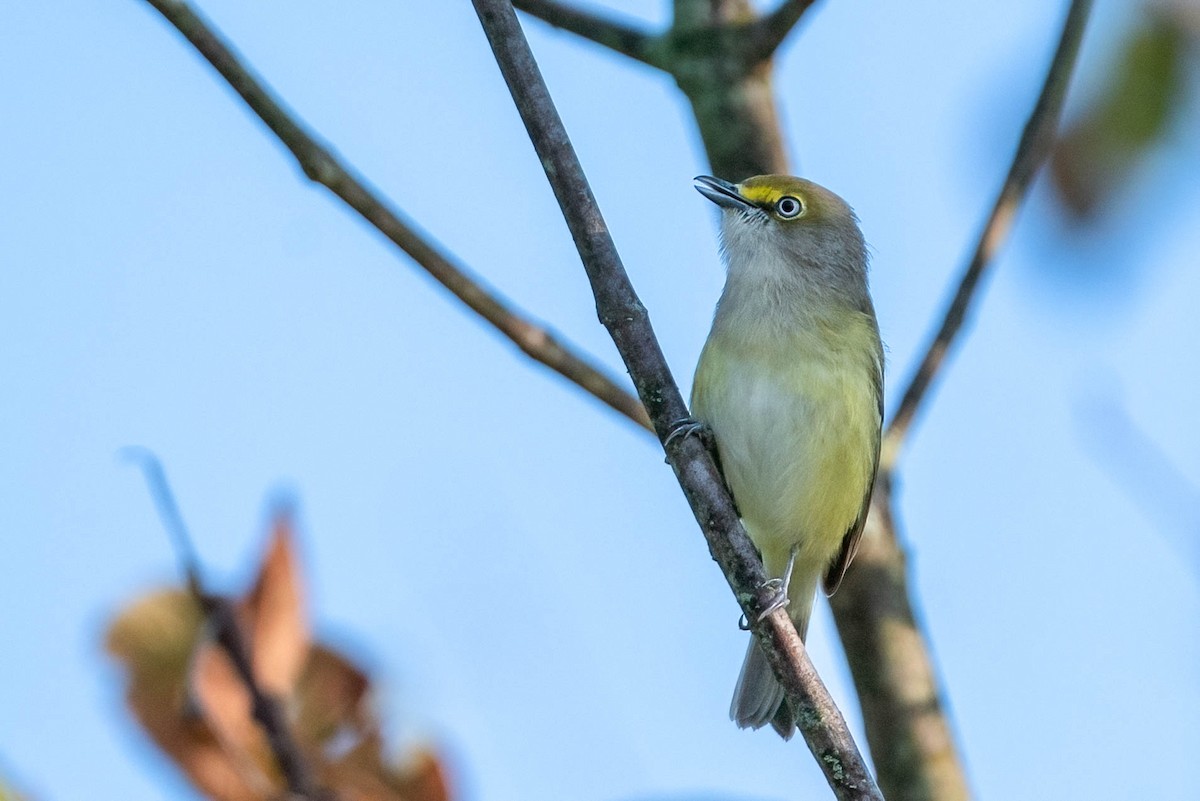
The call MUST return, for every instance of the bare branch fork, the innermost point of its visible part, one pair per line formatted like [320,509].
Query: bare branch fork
[768,32]
[1032,150]
[321,166]
[758,39]
[267,709]
[622,313]
[617,36]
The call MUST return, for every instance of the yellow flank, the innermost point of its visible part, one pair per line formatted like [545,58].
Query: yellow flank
[795,421]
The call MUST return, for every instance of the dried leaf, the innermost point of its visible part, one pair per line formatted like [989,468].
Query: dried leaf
[154,640]
[362,774]
[155,635]
[277,625]
[330,699]
[221,698]
[183,689]
[424,779]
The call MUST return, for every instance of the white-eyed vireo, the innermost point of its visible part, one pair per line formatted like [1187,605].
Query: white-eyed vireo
[790,384]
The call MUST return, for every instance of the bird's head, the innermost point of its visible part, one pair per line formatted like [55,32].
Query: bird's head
[792,224]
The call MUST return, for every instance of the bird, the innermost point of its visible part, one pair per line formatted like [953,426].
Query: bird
[789,387]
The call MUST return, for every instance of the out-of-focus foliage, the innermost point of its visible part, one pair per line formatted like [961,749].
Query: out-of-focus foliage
[184,691]
[1132,114]
[7,793]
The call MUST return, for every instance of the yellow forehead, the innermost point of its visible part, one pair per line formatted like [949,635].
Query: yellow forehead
[819,203]
[765,190]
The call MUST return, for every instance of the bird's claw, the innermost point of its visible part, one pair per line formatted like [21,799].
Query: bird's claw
[688,426]
[777,599]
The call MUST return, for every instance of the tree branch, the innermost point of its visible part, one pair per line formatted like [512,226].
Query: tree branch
[908,729]
[767,33]
[321,166]
[617,36]
[1034,147]
[623,315]
[732,99]
[219,613]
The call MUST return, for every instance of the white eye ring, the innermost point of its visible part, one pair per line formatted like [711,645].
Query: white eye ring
[788,207]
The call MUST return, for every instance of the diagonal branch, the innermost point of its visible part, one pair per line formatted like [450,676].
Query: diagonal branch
[1034,147]
[617,36]
[623,315]
[219,613]
[320,165]
[767,33]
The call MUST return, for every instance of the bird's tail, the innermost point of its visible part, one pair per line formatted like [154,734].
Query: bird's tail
[758,697]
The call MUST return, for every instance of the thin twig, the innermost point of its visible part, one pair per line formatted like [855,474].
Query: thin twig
[767,33]
[617,36]
[267,709]
[320,165]
[1034,147]
[168,513]
[623,315]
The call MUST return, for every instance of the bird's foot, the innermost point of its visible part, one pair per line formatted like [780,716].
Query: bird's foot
[689,427]
[773,593]
[778,597]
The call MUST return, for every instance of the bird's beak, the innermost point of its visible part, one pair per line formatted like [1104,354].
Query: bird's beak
[723,193]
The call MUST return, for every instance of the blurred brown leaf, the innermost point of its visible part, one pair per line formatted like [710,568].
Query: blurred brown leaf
[274,613]
[183,690]
[1097,155]
[332,697]
[424,778]
[217,695]
[273,620]
[154,639]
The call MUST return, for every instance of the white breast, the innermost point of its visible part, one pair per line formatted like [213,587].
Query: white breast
[796,426]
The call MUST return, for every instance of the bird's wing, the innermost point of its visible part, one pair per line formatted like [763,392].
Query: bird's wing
[837,570]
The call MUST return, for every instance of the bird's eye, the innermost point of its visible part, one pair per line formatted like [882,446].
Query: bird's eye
[789,207]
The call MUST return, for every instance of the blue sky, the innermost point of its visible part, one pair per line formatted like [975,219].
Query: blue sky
[168,279]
